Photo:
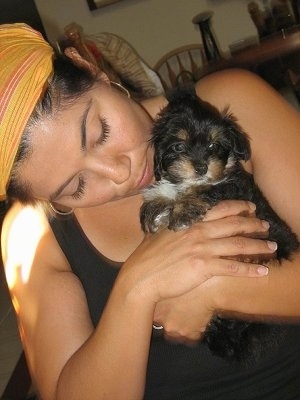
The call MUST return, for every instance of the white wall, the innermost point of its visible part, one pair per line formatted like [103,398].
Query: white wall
[153,27]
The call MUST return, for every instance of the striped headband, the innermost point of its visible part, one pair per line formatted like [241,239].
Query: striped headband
[25,66]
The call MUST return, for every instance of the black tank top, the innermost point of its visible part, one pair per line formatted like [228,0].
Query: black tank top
[178,372]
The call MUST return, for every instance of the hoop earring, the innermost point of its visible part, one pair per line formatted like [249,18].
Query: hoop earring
[121,87]
[64,213]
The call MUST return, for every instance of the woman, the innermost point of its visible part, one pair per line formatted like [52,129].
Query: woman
[87,288]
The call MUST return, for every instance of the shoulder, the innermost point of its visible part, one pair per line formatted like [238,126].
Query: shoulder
[262,111]
[26,239]
[154,105]
[272,125]
[45,294]
[236,87]
[229,87]
[23,227]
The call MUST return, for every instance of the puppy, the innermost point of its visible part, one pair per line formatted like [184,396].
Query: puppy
[197,161]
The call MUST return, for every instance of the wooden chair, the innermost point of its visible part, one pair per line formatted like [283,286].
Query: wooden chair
[116,57]
[181,65]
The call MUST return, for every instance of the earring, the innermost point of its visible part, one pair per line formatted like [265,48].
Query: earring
[121,87]
[64,213]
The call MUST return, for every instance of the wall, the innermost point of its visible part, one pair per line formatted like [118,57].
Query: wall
[153,27]
[19,11]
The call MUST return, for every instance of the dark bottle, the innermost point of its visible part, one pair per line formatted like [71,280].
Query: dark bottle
[259,19]
[282,13]
[296,10]
[209,43]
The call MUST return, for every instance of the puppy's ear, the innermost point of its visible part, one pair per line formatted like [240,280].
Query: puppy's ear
[239,141]
[241,145]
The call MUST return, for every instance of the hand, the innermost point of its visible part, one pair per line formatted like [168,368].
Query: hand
[227,208]
[184,318]
[169,264]
[233,207]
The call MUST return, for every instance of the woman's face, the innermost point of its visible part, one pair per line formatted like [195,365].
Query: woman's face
[95,151]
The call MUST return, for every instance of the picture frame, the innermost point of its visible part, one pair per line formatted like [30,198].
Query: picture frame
[95,4]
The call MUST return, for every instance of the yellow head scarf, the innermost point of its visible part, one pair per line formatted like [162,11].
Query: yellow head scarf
[25,66]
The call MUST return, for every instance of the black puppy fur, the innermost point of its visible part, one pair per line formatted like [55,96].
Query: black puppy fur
[197,163]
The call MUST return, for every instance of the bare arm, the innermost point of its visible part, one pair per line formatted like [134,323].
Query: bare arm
[68,358]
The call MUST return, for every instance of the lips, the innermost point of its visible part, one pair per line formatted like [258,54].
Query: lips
[147,177]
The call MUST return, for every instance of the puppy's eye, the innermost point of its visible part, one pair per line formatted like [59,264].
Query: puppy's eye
[178,147]
[213,147]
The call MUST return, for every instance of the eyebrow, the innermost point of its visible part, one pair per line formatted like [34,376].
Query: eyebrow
[83,125]
[58,191]
[54,195]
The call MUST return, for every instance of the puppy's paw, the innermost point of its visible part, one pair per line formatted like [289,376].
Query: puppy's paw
[186,214]
[154,217]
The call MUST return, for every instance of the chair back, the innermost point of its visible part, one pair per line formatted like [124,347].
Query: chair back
[117,58]
[181,65]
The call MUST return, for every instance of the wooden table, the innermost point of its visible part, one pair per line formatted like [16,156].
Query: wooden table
[276,47]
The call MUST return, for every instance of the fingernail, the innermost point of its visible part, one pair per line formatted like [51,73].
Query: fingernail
[272,245]
[265,224]
[262,270]
[252,206]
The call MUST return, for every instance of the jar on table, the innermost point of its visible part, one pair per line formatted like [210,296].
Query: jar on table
[282,13]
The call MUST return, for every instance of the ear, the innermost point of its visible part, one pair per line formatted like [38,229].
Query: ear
[239,141]
[241,145]
[78,60]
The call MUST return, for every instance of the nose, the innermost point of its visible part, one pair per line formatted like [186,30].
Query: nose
[201,169]
[116,169]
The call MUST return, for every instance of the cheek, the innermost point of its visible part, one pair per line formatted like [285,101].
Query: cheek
[99,193]
[126,135]
[139,124]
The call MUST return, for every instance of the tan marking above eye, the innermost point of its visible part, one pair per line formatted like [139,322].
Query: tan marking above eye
[216,134]
[183,135]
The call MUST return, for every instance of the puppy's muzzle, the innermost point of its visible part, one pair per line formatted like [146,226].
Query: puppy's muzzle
[201,169]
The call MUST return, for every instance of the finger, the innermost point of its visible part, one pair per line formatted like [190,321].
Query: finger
[230,207]
[229,267]
[240,245]
[78,60]
[188,338]
[182,340]
[235,225]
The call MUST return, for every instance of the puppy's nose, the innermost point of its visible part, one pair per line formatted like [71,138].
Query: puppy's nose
[201,169]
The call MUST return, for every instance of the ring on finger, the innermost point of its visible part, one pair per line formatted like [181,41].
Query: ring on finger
[157,327]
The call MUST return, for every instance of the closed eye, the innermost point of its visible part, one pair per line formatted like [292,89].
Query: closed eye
[79,193]
[105,131]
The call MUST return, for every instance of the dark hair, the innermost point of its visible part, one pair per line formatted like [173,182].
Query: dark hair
[68,82]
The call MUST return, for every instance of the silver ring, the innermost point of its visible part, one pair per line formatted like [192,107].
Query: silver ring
[157,327]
